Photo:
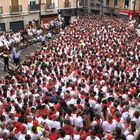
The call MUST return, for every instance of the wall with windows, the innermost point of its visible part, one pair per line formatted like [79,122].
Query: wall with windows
[24,11]
[123,4]
[17,11]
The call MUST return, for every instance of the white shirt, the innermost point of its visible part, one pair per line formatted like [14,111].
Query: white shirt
[108,128]
[21,137]
[130,137]
[78,121]
[76,137]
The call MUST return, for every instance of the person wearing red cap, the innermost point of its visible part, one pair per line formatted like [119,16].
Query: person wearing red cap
[109,137]
[23,132]
[16,130]
[35,123]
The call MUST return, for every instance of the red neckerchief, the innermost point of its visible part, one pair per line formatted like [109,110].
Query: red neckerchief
[108,104]
[68,117]
[127,124]
[16,131]
[98,121]
[110,121]
[117,119]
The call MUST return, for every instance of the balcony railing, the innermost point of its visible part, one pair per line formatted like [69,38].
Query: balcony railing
[16,10]
[67,4]
[81,3]
[1,10]
[50,6]
[110,10]
[96,6]
[33,7]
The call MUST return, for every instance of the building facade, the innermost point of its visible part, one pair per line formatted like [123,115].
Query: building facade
[17,14]
[51,8]
[123,7]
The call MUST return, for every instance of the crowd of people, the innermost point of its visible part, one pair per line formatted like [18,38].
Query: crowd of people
[32,32]
[13,42]
[9,39]
[84,85]
[53,24]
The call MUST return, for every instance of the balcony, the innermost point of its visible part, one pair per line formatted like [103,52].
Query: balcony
[67,4]
[95,6]
[1,10]
[80,4]
[15,10]
[110,10]
[33,7]
[50,6]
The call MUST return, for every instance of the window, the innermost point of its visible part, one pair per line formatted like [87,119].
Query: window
[126,4]
[49,2]
[91,1]
[32,2]
[107,2]
[14,6]
[115,3]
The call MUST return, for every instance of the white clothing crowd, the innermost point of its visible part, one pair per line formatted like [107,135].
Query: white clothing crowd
[84,85]
[6,39]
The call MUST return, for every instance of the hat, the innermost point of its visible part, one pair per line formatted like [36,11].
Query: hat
[18,124]
[54,117]
[22,129]
[35,122]
[109,137]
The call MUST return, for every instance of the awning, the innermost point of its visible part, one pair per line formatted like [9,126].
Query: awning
[129,11]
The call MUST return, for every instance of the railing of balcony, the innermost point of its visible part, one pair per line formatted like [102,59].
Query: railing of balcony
[110,10]
[81,3]
[50,6]
[15,10]
[33,7]
[1,10]
[67,4]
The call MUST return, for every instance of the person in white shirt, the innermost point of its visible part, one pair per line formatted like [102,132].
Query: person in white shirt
[49,35]
[13,52]
[136,118]
[23,132]
[17,57]
[78,120]
[109,126]
[43,39]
